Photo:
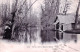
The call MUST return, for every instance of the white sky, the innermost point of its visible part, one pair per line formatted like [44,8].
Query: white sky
[73,6]
[37,5]
[5,1]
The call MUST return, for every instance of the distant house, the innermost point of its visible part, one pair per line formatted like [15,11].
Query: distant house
[64,22]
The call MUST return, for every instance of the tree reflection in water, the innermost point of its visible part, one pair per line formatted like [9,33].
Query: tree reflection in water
[53,36]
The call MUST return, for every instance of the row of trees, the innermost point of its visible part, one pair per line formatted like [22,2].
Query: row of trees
[20,17]
[49,13]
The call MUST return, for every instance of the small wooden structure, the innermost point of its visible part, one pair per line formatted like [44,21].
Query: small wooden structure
[70,19]
[65,21]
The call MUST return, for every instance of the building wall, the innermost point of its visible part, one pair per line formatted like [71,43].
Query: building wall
[67,27]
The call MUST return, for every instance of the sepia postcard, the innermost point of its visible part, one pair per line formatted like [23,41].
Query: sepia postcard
[39,25]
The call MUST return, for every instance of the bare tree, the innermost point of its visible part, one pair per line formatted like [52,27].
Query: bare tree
[20,16]
[5,16]
[66,7]
[49,13]
[77,14]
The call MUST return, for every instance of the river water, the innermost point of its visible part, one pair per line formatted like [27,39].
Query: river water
[55,36]
[37,35]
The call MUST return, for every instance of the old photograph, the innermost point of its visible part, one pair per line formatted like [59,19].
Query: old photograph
[39,25]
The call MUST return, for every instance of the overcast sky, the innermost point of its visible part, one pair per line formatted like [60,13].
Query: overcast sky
[37,5]
[73,6]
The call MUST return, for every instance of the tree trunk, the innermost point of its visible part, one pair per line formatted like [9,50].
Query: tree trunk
[76,16]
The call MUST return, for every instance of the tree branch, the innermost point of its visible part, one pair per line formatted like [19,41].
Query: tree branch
[32,5]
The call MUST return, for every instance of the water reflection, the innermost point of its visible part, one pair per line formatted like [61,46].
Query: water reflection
[48,35]
[35,34]
[69,37]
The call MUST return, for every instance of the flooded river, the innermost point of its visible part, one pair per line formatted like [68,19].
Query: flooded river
[37,35]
